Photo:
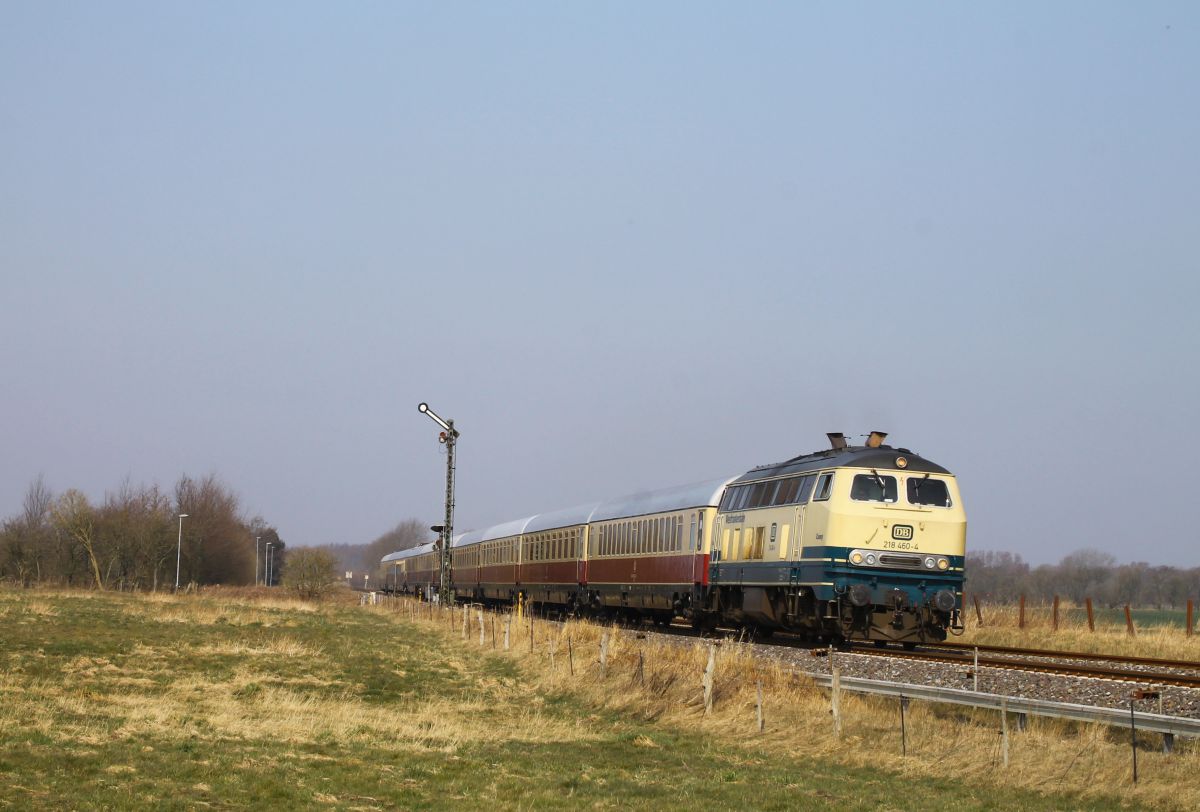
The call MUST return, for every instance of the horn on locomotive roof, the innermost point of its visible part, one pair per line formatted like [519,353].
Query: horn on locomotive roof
[876,439]
[837,440]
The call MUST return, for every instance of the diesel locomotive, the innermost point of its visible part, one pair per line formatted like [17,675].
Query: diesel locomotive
[848,543]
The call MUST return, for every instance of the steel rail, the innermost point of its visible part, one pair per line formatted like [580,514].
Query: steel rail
[1041,666]
[1067,655]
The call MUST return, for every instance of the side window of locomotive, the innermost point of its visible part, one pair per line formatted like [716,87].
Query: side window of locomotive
[788,489]
[824,487]
[873,488]
[743,496]
[761,494]
[928,492]
[727,499]
[806,487]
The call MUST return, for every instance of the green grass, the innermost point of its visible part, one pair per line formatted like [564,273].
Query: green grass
[1142,618]
[119,702]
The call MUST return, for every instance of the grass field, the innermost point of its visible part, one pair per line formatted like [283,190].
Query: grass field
[239,701]
[1157,633]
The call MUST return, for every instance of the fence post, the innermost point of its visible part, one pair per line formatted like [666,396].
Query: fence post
[1091,616]
[835,702]
[1004,731]
[479,615]
[1133,739]
[707,680]
[1055,613]
[507,630]
[571,655]
[641,669]
[1021,616]
[978,612]
[903,731]
[1129,622]
[1190,617]
[975,671]
[759,709]
[604,654]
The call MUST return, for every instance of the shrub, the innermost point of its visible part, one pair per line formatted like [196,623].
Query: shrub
[310,572]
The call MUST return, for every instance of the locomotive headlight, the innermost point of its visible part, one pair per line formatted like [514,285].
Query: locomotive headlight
[930,563]
[870,559]
[943,564]
[856,557]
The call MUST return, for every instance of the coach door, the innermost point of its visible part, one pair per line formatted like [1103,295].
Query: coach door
[696,546]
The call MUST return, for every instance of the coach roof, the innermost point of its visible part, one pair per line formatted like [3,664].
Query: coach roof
[400,555]
[567,517]
[500,531]
[699,494]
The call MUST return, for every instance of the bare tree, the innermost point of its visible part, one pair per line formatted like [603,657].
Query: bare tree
[73,516]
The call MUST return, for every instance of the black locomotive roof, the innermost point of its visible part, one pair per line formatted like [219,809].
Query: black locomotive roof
[860,456]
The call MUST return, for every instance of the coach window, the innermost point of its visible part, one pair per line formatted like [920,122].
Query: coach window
[824,487]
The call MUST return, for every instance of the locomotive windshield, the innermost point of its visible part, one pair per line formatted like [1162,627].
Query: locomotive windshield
[928,492]
[873,488]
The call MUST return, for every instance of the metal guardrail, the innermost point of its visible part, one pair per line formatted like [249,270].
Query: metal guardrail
[1153,722]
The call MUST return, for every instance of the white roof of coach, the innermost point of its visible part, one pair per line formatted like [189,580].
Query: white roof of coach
[469,537]
[400,555]
[500,531]
[706,494]
[567,517]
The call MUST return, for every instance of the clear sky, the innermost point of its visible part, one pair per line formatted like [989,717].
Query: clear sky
[623,245]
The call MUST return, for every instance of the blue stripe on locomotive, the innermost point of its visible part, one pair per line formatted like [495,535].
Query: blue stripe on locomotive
[830,579]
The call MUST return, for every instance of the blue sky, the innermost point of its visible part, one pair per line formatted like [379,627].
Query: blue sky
[623,245]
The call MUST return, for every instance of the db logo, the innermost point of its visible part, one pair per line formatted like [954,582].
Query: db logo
[903,532]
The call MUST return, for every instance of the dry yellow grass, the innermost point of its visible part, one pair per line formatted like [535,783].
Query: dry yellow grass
[141,700]
[1050,756]
[1001,628]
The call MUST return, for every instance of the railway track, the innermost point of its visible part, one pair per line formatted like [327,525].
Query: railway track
[1143,670]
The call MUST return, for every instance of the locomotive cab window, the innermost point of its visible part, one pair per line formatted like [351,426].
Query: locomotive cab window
[873,488]
[824,487]
[926,491]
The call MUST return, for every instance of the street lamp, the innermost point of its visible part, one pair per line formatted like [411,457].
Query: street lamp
[449,436]
[267,565]
[256,540]
[179,549]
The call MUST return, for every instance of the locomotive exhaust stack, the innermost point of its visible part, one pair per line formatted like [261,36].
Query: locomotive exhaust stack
[837,440]
[876,439]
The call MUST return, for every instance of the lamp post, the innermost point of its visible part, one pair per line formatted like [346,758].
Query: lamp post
[267,565]
[448,436]
[179,549]
[256,540]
